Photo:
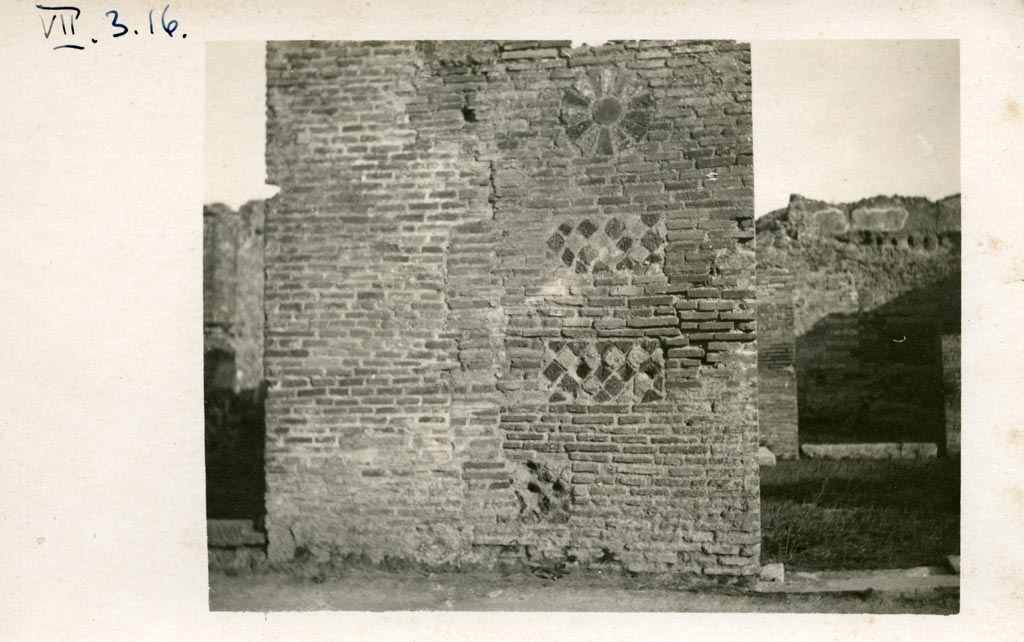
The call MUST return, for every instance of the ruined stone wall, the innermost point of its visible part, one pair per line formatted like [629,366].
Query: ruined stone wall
[510,304]
[876,283]
[233,359]
[233,289]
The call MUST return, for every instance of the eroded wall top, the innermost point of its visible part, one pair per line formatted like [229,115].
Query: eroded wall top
[805,217]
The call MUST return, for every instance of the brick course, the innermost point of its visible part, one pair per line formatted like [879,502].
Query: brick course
[510,304]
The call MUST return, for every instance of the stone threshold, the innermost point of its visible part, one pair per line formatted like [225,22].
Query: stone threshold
[908,582]
[889,450]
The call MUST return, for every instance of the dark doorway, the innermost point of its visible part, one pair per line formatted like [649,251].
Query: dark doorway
[234,426]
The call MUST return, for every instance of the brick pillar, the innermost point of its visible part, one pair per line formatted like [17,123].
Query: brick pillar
[951,390]
[776,370]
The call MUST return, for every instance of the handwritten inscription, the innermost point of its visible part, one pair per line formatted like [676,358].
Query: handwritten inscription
[59,25]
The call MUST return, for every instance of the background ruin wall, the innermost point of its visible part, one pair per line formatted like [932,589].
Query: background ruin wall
[233,359]
[510,304]
[873,287]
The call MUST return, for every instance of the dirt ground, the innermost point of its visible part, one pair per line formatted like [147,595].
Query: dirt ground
[860,514]
[360,590]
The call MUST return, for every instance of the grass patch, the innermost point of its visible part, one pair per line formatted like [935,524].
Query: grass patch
[833,515]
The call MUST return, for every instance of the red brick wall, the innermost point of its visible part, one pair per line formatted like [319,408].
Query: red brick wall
[495,330]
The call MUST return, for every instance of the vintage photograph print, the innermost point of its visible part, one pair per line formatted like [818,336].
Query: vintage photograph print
[567,326]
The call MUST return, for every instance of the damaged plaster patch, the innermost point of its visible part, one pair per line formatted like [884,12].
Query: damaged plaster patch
[831,220]
[879,219]
[543,492]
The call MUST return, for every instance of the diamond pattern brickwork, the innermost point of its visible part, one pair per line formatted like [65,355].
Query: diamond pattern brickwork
[625,244]
[605,371]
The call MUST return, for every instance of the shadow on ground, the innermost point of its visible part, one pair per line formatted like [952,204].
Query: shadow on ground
[830,515]
[877,375]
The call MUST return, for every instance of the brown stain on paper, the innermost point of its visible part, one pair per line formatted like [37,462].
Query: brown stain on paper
[1012,109]
[1016,494]
[993,244]
[1015,437]
[189,542]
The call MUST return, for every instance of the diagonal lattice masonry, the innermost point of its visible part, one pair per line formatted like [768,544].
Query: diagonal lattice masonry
[605,371]
[632,244]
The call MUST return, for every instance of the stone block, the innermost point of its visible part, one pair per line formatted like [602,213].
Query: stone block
[774,573]
[919,451]
[851,451]
[228,533]
[237,560]
[765,457]
[870,451]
